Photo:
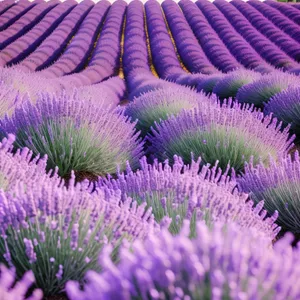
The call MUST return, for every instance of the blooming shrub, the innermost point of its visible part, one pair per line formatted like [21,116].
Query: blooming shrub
[191,192]
[157,105]
[75,135]
[225,134]
[278,184]
[219,263]
[57,232]
[286,107]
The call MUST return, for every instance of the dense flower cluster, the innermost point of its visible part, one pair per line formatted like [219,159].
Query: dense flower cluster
[191,192]
[76,135]
[225,134]
[278,184]
[224,262]
[156,136]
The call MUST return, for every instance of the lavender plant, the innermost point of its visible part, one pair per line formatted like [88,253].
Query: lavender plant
[230,134]
[286,107]
[231,83]
[57,232]
[262,90]
[75,135]
[278,184]
[157,105]
[192,192]
[17,291]
[224,262]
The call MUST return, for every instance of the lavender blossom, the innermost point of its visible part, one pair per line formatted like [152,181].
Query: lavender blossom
[157,105]
[18,291]
[224,262]
[286,107]
[75,135]
[278,184]
[230,133]
[193,192]
[57,232]
[262,90]
[20,166]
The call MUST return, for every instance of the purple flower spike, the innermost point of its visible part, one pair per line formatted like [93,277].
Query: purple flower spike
[195,192]
[278,184]
[221,262]
[75,135]
[232,133]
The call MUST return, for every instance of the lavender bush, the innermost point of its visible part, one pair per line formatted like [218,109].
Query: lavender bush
[278,184]
[57,232]
[75,135]
[191,192]
[286,107]
[157,105]
[228,134]
[220,263]
[262,90]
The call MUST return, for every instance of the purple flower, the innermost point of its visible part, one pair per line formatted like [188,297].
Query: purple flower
[75,135]
[233,133]
[17,291]
[195,192]
[278,184]
[221,261]
[157,105]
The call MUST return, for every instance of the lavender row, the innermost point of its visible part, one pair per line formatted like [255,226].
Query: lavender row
[5,5]
[25,23]
[106,55]
[187,44]
[288,10]
[280,20]
[14,13]
[267,28]
[23,46]
[135,57]
[213,46]
[54,44]
[164,56]
[266,49]
[236,44]
[135,46]
[77,52]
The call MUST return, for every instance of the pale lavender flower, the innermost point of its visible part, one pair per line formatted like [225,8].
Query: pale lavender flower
[224,262]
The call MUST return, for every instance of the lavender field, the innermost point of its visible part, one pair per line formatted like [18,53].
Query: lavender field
[149,150]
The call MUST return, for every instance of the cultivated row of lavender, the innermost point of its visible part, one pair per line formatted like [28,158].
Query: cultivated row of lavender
[53,45]
[238,46]
[9,16]
[209,40]
[77,52]
[187,44]
[20,48]
[266,49]
[26,22]
[267,28]
[163,52]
